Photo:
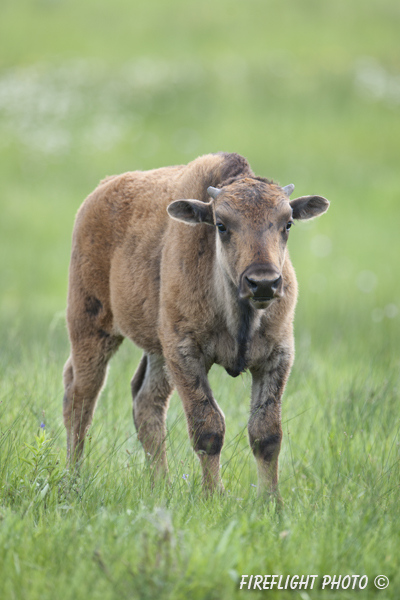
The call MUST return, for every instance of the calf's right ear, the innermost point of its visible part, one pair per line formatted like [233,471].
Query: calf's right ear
[191,212]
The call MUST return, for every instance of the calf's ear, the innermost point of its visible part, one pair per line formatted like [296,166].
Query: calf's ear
[309,207]
[192,212]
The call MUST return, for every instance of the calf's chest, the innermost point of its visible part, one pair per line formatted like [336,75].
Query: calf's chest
[237,354]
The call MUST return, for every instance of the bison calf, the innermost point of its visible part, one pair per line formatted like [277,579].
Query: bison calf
[190,263]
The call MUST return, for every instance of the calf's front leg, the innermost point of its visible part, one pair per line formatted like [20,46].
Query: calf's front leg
[264,427]
[206,423]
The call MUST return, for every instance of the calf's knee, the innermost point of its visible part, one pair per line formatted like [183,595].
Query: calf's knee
[266,447]
[209,443]
[208,430]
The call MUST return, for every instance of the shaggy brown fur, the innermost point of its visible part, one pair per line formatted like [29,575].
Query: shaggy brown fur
[222,291]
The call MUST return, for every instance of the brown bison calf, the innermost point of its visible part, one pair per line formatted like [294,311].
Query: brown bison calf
[190,263]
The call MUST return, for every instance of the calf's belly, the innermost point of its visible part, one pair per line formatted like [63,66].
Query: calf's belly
[135,305]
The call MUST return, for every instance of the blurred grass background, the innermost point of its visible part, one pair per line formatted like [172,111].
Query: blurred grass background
[309,92]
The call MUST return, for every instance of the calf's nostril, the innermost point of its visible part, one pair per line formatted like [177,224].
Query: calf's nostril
[252,284]
[275,284]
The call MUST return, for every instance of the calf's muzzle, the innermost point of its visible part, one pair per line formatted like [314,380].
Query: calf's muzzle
[261,284]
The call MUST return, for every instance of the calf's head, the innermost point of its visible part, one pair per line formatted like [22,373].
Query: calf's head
[252,218]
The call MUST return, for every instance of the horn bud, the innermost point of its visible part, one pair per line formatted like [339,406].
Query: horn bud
[288,189]
[213,192]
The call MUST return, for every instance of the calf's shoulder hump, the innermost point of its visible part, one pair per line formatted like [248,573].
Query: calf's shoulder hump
[124,201]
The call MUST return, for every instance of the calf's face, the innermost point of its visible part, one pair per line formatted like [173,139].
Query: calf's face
[252,219]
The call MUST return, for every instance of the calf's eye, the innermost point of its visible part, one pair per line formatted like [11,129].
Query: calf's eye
[288,226]
[221,227]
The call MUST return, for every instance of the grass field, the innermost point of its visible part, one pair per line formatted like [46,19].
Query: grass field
[309,92]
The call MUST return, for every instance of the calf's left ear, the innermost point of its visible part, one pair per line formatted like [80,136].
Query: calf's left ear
[192,212]
[309,207]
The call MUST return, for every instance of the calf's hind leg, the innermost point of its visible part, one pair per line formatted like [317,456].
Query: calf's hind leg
[84,376]
[151,391]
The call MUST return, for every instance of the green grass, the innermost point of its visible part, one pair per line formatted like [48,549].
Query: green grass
[309,92]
